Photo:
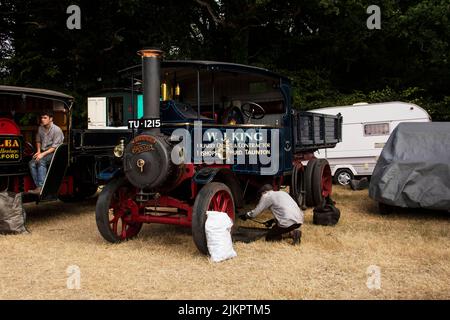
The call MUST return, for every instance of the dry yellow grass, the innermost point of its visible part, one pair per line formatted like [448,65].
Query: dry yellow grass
[411,248]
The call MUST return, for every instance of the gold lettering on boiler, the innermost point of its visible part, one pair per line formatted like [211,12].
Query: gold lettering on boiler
[140,148]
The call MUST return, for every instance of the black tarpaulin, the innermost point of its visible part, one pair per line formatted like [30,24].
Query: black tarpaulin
[414,167]
[12,213]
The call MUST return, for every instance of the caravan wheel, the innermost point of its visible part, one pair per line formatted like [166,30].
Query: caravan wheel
[343,177]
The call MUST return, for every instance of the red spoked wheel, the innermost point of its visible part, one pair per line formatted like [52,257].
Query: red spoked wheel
[222,202]
[322,182]
[214,196]
[114,209]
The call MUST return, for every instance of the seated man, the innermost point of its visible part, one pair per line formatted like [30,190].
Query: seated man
[48,138]
[288,216]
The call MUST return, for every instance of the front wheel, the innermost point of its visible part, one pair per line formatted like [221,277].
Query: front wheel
[214,196]
[112,213]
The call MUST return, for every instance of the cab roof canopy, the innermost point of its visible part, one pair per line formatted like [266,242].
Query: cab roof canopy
[25,92]
[208,66]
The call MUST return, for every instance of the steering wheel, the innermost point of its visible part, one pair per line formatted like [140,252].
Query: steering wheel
[252,110]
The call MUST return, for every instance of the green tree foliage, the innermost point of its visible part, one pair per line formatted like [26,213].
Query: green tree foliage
[323,45]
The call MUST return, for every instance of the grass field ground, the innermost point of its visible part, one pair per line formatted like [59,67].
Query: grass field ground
[411,249]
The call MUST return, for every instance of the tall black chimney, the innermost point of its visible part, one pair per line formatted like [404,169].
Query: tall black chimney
[151,68]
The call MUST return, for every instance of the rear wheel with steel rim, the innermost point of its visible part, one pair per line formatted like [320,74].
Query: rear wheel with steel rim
[298,185]
[308,179]
[321,182]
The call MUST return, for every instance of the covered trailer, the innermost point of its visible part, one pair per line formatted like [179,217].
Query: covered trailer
[414,168]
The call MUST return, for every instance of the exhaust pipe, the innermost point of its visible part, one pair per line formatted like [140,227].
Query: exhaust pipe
[151,69]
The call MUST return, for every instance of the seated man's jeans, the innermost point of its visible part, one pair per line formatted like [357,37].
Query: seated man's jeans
[39,169]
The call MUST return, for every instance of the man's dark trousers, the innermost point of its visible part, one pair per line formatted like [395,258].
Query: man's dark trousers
[276,232]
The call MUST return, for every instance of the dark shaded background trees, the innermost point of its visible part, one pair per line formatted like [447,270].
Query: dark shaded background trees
[324,45]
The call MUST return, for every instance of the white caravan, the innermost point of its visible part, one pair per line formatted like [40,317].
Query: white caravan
[365,130]
[99,114]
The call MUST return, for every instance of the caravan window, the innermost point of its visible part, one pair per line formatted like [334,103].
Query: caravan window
[376,129]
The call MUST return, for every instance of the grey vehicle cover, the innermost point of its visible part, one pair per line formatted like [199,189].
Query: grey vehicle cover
[12,213]
[413,170]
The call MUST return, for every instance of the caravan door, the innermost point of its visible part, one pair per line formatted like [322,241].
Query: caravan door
[96,112]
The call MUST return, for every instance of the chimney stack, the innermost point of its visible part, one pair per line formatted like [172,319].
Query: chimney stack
[151,69]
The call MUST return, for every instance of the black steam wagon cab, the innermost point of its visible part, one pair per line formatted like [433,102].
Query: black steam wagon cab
[211,134]
[72,173]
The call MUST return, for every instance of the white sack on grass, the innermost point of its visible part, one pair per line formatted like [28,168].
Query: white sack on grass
[218,236]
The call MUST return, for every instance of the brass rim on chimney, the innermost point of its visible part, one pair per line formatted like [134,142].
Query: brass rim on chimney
[150,53]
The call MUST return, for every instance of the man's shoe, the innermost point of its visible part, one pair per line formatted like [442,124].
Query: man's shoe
[35,191]
[297,237]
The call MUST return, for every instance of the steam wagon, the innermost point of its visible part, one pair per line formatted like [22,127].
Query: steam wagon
[73,173]
[211,134]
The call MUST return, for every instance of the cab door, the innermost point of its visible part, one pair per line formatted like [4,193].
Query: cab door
[55,173]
